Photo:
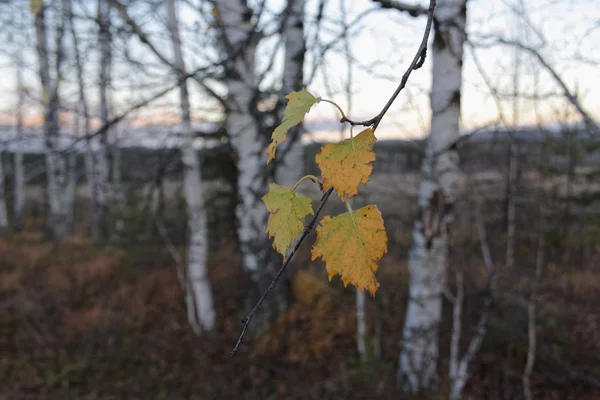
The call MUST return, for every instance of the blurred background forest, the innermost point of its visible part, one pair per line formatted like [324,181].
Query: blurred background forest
[132,167]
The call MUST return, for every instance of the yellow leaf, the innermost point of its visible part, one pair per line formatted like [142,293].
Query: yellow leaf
[347,164]
[350,244]
[35,6]
[287,209]
[45,99]
[298,106]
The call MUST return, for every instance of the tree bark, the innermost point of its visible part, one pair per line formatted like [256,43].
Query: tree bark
[100,166]
[290,160]
[242,123]
[199,300]
[19,178]
[437,194]
[56,166]
[3,214]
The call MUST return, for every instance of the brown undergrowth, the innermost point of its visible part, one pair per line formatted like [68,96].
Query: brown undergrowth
[83,323]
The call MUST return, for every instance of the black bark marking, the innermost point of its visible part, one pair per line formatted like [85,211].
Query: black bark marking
[432,217]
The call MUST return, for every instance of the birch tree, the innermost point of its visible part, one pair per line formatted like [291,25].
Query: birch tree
[56,164]
[19,173]
[437,194]
[3,213]
[199,301]
[100,165]
[292,160]
[239,40]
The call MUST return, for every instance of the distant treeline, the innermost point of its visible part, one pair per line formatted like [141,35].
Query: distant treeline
[141,164]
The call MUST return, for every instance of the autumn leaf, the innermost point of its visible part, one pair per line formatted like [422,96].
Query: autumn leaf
[350,244]
[347,164]
[299,104]
[35,6]
[287,209]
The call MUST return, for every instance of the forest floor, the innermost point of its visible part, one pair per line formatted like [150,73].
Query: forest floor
[83,323]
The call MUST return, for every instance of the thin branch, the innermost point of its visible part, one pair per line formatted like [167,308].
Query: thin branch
[122,10]
[531,328]
[461,372]
[414,10]
[456,325]
[416,63]
[307,230]
[587,119]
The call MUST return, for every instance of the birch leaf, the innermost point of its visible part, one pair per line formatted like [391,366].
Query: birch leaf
[347,164]
[299,104]
[287,208]
[35,6]
[351,244]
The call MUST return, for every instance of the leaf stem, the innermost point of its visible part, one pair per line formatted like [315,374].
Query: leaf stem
[336,106]
[307,230]
[353,149]
[348,206]
[311,177]
[416,63]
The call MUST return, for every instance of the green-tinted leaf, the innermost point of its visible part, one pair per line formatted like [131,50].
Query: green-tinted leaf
[287,209]
[299,104]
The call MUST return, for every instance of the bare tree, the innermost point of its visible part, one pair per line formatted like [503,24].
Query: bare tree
[100,166]
[242,123]
[19,174]
[437,194]
[290,163]
[199,301]
[3,213]
[56,164]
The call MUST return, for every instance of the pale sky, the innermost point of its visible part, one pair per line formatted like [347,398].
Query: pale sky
[382,44]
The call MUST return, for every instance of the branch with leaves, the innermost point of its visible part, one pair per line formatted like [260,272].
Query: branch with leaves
[352,243]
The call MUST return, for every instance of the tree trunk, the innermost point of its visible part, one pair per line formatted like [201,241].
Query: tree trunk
[100,164]
[69,195]
[242,125]
[437,193]
[290,160]
[56,167]
[199,300]
[83,105]
[19,179]
[117,175]
[3,214]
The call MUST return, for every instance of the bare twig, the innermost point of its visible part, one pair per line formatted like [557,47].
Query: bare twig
[456,325]
[307,230]
[122,10]
[459,374]
[532,337]
[413,9]
[416,63]
[587,119]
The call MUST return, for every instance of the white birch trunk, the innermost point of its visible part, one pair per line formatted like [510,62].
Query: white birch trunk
[56,168]
[511,181]
[117,186]
[19,178]
[437,193]
[69,196]
[83,105]
[199,300]
[242,125]
[290,160]
[100,166]
[3,213]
